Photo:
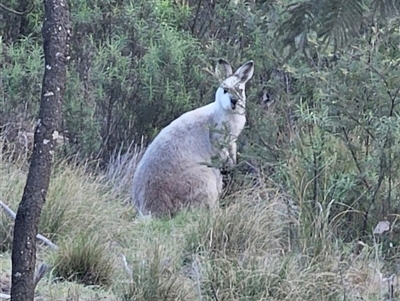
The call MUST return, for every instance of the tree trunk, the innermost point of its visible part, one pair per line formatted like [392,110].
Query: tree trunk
[56,30]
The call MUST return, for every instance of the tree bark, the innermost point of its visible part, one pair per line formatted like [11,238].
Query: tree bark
[56,31]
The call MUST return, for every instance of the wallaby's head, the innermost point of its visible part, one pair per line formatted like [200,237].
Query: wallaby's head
[231,94]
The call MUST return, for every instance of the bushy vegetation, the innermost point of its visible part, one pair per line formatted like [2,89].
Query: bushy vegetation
[318,158]
[257,248]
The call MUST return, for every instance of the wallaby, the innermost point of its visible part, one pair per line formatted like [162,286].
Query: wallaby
[176,170]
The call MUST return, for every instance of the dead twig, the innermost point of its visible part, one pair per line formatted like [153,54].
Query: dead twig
[12,214]
[4,296]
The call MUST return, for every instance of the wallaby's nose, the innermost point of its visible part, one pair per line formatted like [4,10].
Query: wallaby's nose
[233,103]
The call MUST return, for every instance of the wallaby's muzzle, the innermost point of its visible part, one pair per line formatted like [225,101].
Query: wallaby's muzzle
[233,103]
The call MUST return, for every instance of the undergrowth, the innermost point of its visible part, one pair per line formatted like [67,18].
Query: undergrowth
[256,247]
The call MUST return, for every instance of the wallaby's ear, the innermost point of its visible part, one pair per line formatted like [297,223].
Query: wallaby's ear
[245,72]
[223,70]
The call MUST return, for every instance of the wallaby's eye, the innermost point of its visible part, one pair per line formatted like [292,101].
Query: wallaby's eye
[225,91]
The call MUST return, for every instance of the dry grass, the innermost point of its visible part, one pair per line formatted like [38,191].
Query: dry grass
[85,259]
[12,181]
[254,249]
[122,165]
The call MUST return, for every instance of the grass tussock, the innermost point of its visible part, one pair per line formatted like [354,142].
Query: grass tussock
[244,228]
[75,200]
[157,277]
[69,208]
[85,259]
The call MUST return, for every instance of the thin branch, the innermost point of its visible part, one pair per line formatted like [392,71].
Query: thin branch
[385,82]
[382,175]
[4,296]
[353,154]
[264,143]
[393,103]
[12,214]
[10,10]
[196,16]
[214,292]
[8,210]
[349,115]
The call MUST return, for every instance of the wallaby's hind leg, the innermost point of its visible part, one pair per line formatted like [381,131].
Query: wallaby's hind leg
[207,187]
[197,187]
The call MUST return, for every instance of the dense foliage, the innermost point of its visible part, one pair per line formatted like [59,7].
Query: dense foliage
[323,104]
